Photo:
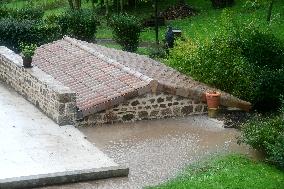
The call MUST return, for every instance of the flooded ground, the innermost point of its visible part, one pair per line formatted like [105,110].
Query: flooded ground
[156,151]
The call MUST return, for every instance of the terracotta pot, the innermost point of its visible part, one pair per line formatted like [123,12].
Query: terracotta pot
[27,62]
[213,99]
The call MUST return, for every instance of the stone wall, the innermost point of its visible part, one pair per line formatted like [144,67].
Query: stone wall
[147,106]
[55,100]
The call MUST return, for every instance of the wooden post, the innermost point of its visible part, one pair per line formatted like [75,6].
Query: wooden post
[156,22]
[270,11]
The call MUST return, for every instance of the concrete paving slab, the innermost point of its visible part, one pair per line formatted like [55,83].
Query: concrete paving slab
[34,151]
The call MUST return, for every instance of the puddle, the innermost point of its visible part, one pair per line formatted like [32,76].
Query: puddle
[157,150]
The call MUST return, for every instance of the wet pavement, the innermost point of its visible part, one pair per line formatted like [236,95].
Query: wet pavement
[34,150]
[156,151]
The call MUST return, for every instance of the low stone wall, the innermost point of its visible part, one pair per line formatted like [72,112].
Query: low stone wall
[55,100]
[147,106]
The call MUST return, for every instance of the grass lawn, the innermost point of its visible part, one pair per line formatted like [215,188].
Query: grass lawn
[207,21]
[201,26]
[231,171]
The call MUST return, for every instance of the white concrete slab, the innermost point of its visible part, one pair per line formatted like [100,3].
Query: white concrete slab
[33,147]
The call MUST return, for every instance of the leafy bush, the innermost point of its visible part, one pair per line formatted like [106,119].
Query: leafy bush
[12,32]
[51,4]
[126,31]
[252,5]
[240,59]
[222,3]
[47,33]
[157,52]
[218,63]
[3,11]
[269,86]
[266,135]
[80,24]
[183,55]
[27,13]
[260,48]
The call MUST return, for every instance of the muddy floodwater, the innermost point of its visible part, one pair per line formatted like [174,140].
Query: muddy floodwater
[156,151]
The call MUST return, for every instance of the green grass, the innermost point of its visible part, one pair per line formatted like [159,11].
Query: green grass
[207,21]
[201,26]
[231,171]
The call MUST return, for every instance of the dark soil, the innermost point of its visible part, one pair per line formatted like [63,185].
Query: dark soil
[178,11]
[234,119]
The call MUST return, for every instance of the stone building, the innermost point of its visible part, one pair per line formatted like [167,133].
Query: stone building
[110,85]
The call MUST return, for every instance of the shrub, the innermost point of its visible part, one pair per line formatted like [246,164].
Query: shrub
[266,135]
[3,11]
[126,31]
[183,55]
[47,32]
[222,3]
[240,59]
[252,5]
[12,32]
[51,4]
[218,63]
[80,24]
[265,53]
[260,48]
[269,86]
[27,13]
[157,52]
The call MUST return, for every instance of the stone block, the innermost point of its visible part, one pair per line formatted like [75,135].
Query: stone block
[186,110]
[160,99]
[128,117]
[154,113]
[143,114]
[166,112]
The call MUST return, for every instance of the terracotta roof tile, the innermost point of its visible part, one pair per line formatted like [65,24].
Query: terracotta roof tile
[103,77]
[94,80]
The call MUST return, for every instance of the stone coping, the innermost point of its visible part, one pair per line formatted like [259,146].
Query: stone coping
[63,177]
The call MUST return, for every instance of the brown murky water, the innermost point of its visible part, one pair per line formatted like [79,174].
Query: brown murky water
[156,151]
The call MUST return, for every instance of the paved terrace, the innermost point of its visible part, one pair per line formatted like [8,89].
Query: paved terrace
[104,77]
[34,151]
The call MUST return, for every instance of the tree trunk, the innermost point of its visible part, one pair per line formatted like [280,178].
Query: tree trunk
[121,6]
[181,1]
[71,4]
[107,7]
[270,11]
[77,4]
[156,22]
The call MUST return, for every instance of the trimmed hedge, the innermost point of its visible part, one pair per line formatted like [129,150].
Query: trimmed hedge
[25,13]
[126,31]
[13,32]
[80,24]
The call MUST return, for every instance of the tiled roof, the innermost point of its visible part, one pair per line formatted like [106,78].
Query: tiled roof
[104,77]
